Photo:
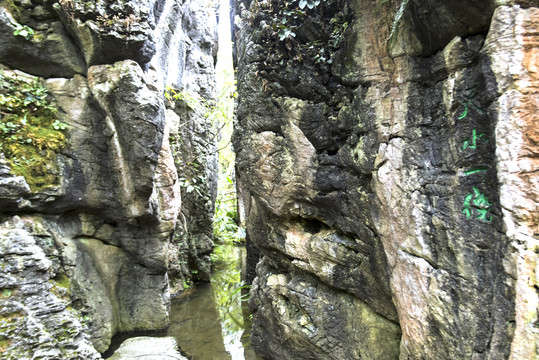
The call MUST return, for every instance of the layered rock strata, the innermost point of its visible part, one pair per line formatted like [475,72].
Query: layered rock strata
[109,222]
[387,158]
[36,319]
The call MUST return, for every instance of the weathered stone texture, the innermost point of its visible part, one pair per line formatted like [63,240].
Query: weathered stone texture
[112,222]
[107,31]
[50,54]
[194,146]
[148,348]
[398,176]
[37,322]
[514,34]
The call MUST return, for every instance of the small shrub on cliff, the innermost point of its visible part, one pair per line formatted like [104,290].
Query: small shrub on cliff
[24,31]
[396,20]
[30,132]
[309,3]
[299,32]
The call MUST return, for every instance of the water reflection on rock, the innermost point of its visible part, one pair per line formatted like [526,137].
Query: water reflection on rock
[195,323]
[209,321]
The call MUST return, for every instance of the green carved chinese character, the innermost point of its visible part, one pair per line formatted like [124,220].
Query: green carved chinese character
[475,171]
[467,208]
[464,113]
[478,202]
[470,102]
[483,215]
[472,142]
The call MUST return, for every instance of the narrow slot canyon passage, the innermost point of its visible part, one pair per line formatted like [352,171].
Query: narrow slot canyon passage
[212,320]
[269,179]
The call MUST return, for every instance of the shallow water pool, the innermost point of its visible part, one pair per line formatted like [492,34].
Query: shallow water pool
[211,321]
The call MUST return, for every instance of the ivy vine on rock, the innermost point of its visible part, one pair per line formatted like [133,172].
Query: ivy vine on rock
[301,31]
[24,31]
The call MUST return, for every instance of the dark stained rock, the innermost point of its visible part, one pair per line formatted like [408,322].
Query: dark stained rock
[107,32]
[374,154]
[50,52]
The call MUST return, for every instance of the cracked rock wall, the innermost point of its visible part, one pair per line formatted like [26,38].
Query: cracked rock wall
[387,160]
[108,228]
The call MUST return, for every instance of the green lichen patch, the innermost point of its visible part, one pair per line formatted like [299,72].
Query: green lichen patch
[61,285]
[11,318]
[30,132]
[5,293]
[4,344]
[10,322]
[62,281]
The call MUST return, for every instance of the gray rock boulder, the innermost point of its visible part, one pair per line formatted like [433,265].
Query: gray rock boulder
[194,145]
[107,32]
[148,348]
[12,188]
[50,52]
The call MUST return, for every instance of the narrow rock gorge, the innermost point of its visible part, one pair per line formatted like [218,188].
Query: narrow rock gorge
[387,158]
[387,154]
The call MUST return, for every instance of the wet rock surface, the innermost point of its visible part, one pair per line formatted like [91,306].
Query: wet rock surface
[375,172]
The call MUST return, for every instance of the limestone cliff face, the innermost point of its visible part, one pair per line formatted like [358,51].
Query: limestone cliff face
[387,155]
[111,222]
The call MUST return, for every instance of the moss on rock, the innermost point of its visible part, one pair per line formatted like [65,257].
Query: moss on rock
[30,132]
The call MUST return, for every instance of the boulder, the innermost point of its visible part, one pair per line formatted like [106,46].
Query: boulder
[114,222]
[148,348]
